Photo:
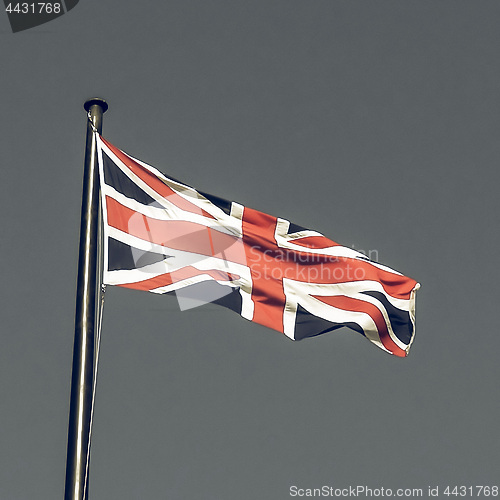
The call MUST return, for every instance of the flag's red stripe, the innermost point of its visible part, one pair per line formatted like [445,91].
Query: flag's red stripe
[176,276]
[267,284]
[175,234]
[356,305]
[155,182]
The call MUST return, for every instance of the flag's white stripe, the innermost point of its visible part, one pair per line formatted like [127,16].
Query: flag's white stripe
[105,226]
[289,312]
[382,309]
[130,276]
[237,217]
[175,185]
[306,233]
[412,313]
[199,278]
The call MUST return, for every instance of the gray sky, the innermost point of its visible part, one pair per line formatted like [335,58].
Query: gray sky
[374,122]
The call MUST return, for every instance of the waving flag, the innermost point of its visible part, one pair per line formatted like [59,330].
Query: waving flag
[163,236]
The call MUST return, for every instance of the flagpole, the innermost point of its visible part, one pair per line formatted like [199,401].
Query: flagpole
[85,317]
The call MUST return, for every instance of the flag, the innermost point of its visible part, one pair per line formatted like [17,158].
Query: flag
[163,236]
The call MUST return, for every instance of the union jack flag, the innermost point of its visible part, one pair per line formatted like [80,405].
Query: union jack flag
[163,236]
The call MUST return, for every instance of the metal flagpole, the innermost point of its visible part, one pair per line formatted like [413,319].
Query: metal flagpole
[85,318]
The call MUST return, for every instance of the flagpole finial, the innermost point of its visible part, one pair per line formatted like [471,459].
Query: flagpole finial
[96,101]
